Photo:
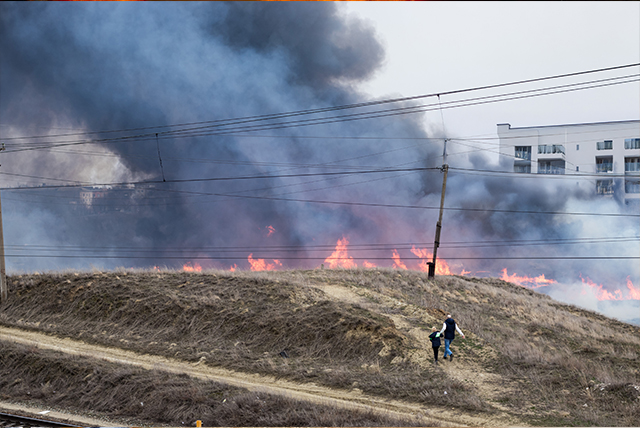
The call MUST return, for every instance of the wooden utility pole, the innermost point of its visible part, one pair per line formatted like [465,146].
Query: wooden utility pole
[436,242]
[3,277]
[4,294]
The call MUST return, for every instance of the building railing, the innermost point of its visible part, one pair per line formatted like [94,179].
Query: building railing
[548,149]
[631,166]
[631,186]
[604,167]
[550,169]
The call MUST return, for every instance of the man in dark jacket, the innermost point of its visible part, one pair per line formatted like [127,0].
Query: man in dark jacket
[449,328]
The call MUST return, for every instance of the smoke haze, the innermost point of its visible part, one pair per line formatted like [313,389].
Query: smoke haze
[67,68]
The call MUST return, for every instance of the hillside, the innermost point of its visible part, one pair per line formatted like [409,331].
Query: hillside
[359,334]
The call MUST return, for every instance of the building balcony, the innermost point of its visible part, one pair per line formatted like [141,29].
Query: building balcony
[549,151]
[551,166]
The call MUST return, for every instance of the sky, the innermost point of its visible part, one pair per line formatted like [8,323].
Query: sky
[434,47]
[172,106]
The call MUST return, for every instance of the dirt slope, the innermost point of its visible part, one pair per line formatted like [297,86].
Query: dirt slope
[305,392]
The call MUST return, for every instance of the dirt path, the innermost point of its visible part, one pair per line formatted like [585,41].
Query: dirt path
[307,392]
[490,386]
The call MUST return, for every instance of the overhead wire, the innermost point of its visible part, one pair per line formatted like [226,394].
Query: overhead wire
[387,170]
[329,247]
[356,105]
[339,173]
[335,119]
[260,256]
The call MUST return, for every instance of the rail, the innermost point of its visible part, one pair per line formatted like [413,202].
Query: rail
[8,420]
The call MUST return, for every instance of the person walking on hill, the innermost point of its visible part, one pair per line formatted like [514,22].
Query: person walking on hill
[435,342]
[449,328]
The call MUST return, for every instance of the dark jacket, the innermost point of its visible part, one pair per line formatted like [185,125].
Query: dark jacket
[450,331]
[435,339]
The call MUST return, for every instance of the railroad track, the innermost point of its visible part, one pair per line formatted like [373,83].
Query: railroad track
[8,420]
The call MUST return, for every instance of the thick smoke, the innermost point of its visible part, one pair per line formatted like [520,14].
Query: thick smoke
[67,68]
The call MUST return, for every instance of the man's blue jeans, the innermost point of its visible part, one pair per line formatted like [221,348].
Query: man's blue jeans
[447,351]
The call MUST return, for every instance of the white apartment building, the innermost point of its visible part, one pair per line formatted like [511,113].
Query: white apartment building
[606,154]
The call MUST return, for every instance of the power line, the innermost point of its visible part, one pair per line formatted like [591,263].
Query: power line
[365,247]
[351,106]
[299,175]
[363,204]
[195,180]
[191,132]
[407,110]
[255,257]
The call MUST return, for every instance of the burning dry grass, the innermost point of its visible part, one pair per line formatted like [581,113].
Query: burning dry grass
[288,324]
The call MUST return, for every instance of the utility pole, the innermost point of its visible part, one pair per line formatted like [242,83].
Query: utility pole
[3,276]
[436,242]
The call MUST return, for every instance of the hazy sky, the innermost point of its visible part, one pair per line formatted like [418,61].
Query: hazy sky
[443,46]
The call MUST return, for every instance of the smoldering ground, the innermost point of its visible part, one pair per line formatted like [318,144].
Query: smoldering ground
[68,69]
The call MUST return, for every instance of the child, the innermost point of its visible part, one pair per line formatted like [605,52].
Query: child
[435,342]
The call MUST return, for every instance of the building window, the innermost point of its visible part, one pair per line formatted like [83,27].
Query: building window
[550,167]
[632,143]
[577,169]
[577,146]
[604,145]
[523,152]
[632,185]
[525,167]
[632,164]
[604,187]
[604,164]
[547,149]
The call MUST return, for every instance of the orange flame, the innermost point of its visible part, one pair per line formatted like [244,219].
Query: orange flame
[260,264]
[526,281]
[340,257]
[368,265]
[397,263]
[634,292]
[233,268]
[602,294]
[442,267]
[271,230]
[195,268]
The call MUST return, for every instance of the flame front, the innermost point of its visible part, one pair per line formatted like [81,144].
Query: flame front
[397,263]
[526,281]
[261,264]
[634,292]
[195,268]
[602,294]
[442,267]
[340,257]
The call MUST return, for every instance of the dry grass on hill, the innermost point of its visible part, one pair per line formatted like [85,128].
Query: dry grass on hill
[129,396]
[543,362]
